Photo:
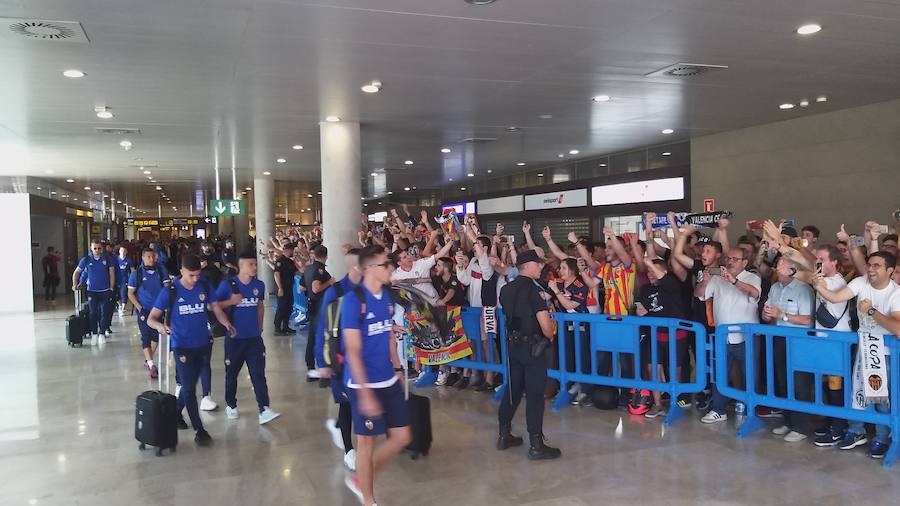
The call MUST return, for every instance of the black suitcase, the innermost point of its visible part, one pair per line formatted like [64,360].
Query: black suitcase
[420,424]
[77,324]
[156,414]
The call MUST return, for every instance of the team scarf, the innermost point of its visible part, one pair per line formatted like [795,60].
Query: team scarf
[870,380]
[703,220]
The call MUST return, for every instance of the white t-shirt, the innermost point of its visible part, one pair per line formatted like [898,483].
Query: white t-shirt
[421,269]
[731,305]
[885,301]
[835,284]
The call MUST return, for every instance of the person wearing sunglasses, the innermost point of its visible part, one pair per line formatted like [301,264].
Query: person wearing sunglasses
[100,273]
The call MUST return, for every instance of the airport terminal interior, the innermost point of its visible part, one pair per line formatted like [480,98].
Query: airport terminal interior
[198,194]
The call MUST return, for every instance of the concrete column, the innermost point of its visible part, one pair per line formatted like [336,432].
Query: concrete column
[241,231]
[340,189]
[264,218]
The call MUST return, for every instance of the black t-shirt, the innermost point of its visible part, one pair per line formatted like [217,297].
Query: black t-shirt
[229,256]
[521,302]
[664,299]
[459,291]
[698,307]
[578,292]
[315,272]
[285,269]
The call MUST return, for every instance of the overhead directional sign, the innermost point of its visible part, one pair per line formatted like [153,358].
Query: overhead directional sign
[227,207]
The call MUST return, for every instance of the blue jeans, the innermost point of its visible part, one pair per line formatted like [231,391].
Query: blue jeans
[253,352]
[189,363]
[98,307]
[882,432]
[736,358]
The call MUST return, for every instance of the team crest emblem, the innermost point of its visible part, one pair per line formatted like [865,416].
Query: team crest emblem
[321,271]
[369,425]
[255,292]
[227,362]
[183,359]
[202,297]
[103,262]
[875,382]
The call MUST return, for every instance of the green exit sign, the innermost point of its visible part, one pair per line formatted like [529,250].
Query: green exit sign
[227,208]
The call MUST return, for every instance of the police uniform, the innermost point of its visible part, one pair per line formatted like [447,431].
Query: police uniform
[285,269]
[521,301]
[314,272]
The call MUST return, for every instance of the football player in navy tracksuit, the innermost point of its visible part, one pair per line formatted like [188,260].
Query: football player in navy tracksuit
[340,431]
[124,269]
[241,298]
[373,373]
[188,329]
[144,286]
[100,273]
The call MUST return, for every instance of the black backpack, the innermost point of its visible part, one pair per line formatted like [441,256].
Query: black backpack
[331,339]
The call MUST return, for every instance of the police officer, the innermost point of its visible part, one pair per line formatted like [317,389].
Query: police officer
[317,280]
[529,333]
[284,280]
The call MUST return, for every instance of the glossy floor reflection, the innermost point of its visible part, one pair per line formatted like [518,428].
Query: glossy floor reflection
[66,437]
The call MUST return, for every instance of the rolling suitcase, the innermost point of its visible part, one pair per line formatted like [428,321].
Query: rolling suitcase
[76,324]
[156,413]
[419,419]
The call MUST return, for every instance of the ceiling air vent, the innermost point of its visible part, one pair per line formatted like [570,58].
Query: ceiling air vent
[118,131]
[685,70]
[479,140]
[41,29]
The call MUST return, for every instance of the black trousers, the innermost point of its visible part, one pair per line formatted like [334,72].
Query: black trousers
[313,327]
[803,386]
[283,314]
[527,375]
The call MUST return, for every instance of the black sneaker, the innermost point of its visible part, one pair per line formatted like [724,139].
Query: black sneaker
[851,441]
[830,438]
[463,383]
[821,431]
[182,425]
[878,449]
[203,438]
[702,400]
[483,386]
[452,379]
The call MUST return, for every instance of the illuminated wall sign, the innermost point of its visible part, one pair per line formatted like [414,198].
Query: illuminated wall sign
[378,217]
[654,190]
[556,200]
[499,205]
[461,207]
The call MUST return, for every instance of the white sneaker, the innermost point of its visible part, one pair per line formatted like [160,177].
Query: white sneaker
[207,404]
[313,374]
[575,389]
[177,391]
[95,339]
[101,340]
[712,417]
[108,332]
[121,312]
[336,437]
[231,413]
[794,436]
[441,379]
[350,460]
[267,415]
[781,430]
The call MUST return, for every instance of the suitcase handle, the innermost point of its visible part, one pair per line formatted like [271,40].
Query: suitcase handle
[159,360]
[77,300]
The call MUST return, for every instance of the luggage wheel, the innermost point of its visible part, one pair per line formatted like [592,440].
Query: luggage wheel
[159,452]
[142,447]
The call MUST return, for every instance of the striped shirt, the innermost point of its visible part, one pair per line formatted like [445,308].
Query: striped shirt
[618,283]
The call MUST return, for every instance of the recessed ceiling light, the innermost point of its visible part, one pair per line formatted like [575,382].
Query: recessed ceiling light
[87,187]
[445,150]
[603,165]
[463,188]
[821,98]
[365,205]
[470,175]
[248,188]
[38,187]
[319,193]
[804,103]
[147,173]
[152,180]
[373,174]
[297,147]
[808,29]
[105,196]
[540,174]
[390,193]
[309,195]
[601,98]
[281,160]
[332,119]
[125,144]
[375,196]
[520,164]
[546,116]
[158,188]
[414,188]
[668,131]
[451,179]
[104,114]
[666,153]
[373,87]
[73,73]
[52,193]
[408,162]
[406,189]
[70,180]
[95,193]
[267,173]
[786,106]
[489,171]
[480,2]
[362,198]
[512,129]
[574,151]
[83,201]
[561,155]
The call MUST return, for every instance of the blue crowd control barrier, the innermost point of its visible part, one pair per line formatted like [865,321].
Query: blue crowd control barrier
[815,352]
[616,342]
[489,358]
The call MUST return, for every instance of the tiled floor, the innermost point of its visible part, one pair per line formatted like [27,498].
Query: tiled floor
[66,437]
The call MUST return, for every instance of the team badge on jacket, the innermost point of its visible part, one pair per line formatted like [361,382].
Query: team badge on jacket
[369,425]
[202,297]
